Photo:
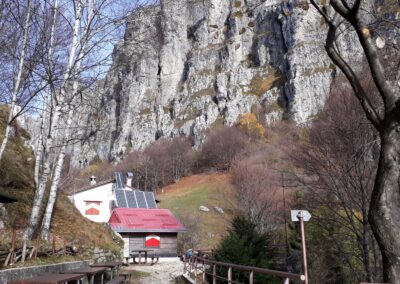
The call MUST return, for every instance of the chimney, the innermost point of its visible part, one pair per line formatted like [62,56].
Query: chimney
[129,177]
[92,180]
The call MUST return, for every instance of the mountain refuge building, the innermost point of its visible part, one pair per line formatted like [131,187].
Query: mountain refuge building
[97,200]
[131,213]
[147,229]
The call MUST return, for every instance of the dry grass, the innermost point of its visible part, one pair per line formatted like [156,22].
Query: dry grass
[185,197]
[238,4]
[16,179]
[238,14]
[260,84]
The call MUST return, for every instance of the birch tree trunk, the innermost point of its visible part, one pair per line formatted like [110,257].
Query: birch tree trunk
[41,140]
[18,78]
[42,155]
[60,159]
[45,231]
[39,194]
[46,109]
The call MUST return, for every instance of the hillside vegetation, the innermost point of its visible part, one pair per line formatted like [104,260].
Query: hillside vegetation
[259,173]
[186,196]
[16,179]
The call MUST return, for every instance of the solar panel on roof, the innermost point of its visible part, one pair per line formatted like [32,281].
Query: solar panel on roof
[140,199]
[130,196]
[119,180]
[151,202]
[135,199]
[120,195]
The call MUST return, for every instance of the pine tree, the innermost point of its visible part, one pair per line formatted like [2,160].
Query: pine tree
[245,245]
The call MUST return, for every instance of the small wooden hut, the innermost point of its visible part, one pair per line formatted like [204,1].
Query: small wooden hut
[147,229]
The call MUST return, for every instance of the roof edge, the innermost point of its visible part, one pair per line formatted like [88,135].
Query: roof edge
[148,231]
[85,188]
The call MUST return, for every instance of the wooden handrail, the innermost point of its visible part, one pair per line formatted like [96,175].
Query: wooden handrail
[194,260]
[255,269]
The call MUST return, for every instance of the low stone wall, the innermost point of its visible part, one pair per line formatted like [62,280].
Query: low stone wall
[100,255]
[33,271]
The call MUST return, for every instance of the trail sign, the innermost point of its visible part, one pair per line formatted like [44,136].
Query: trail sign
[304,213]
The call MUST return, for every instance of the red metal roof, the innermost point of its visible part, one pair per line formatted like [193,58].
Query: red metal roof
[144,220]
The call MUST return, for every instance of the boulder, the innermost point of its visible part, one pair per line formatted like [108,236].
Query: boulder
[204,208]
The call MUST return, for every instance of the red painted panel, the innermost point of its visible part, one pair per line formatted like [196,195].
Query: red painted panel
[152,241]
[92,211]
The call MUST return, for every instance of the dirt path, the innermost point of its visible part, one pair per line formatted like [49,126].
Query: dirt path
[164,272]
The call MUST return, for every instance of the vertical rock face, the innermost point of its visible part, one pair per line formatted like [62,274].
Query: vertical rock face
[188,65]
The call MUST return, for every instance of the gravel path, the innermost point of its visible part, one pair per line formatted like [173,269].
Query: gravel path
[163,272]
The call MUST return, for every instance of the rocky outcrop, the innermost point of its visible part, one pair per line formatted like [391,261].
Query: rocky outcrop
[188,65]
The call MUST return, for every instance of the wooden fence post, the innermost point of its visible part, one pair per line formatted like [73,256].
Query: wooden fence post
[23,251]
[184,264]
[230,275]
[195,270]
[37,246]
[14,238]
[204,273]
[251,277]
[54,245]
[214,274]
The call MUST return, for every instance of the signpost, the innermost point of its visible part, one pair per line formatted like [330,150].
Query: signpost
[302,216]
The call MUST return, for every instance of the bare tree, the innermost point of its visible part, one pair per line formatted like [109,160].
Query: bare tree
[256,191]
[358,18]
[78,31]
[336,168]
[18,77]
[221,147]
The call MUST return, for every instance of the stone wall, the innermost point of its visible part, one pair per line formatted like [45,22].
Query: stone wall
[33,271]
[100,255]
[95,255]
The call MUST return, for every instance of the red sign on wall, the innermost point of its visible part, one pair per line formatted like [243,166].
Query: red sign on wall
[92,207]
[92,211]
[152,241]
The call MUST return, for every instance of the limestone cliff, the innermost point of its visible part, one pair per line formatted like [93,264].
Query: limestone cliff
[187,65]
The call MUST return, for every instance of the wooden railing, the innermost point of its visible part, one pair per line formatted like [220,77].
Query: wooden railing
[12,251]
[200,267]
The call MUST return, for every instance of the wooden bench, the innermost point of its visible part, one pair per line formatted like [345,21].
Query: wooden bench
[90,272]
[113,266]
[51,279]
[116,280]
[126,275]
[138,254]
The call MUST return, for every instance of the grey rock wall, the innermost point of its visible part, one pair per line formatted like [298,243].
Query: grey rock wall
[188,65]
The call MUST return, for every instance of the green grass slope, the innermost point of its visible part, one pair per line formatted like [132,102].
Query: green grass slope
[186,196]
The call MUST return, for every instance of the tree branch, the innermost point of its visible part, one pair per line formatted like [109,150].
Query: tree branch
[364,35]
[370,111]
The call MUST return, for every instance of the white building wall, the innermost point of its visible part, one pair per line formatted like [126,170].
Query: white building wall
[102,193]
[126,245]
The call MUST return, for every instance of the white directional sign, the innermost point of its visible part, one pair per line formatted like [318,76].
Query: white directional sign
[304,213]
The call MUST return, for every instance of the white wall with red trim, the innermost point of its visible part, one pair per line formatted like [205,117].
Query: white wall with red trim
[94,203]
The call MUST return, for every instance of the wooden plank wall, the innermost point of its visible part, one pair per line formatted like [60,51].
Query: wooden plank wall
[168,243]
